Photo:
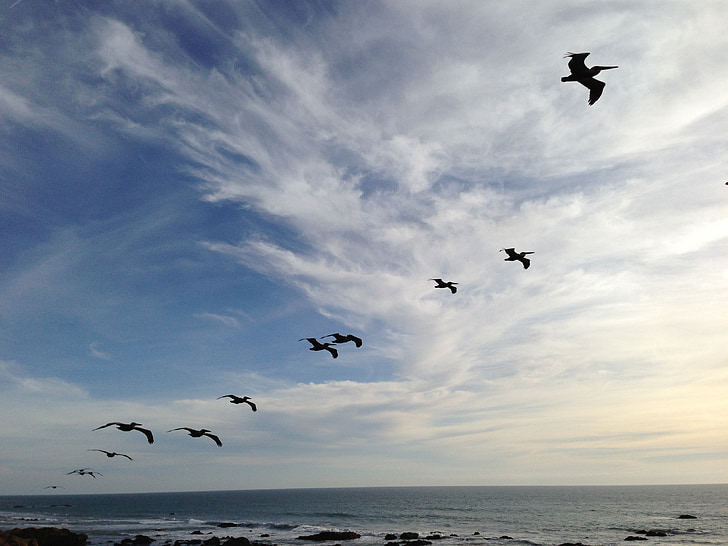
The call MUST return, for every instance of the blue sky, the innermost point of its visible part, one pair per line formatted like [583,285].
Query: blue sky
[188,188]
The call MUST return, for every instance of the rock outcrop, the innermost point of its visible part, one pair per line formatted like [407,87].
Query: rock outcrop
[41,536]
[331,535]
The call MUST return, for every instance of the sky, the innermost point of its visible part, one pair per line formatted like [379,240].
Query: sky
[187,188]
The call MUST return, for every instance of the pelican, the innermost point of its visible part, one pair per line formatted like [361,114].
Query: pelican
[443,284]
[585,76]
[84,471]
[127,427]
[198,433]
[519,256]
[339,338]
[111,454]
[239,400]
[318,346]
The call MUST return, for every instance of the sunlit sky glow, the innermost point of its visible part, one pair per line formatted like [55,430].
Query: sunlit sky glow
[189,187]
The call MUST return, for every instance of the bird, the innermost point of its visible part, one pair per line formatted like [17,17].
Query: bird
[54,486]
[519,256]
[84,471]
[239,400]
[339,338]
[198,433]
[127,427]
[443,284]
[318,346]
[585,76]
[111,454]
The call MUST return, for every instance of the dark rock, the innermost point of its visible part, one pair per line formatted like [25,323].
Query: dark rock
[42,536]
[142,540]
[476,533]
[264,535]
[226,524]
[391,543]
[632,537]
[572,544]
[409,536]
[390,536]
[417,542]
[212,541]
[656,533]
[331,535]
[434,537]
[686,516]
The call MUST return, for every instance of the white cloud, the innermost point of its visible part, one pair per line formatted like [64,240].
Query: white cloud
[95,352]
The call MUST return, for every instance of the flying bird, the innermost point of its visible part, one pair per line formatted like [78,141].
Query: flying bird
[54,487]
[443,284]
[239,400]
[318,346]
[85,471]
[585,76]
[198,433]
[339,338]
[127,427]
[517,256]
[111,454]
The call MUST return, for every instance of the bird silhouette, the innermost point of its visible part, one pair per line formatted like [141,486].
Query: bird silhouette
[86,471]
[198,433]
[111,454]
[585,76]
[517,256]
[55,486]
[318,346]
[339,338]
[443,284]
[127,427]
[239,400]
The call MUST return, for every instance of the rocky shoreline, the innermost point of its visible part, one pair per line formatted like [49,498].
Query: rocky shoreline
[53,536]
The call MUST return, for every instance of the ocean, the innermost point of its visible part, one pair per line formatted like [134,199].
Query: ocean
[461,516]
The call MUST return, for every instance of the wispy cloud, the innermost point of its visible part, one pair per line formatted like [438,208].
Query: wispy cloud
[226,320]
[95,352]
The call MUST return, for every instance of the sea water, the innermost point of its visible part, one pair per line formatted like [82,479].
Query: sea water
[463,516]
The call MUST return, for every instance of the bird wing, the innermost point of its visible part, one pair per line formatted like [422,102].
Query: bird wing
[334,352]
[252,405]
[511,253]
[357,340]
[526,263]
[576,64]
[106,425]
[147,433]
[453,288]
[124,455]
[595,89]
[215,438]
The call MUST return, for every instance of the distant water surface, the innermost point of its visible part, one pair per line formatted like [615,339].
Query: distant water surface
[464,516]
